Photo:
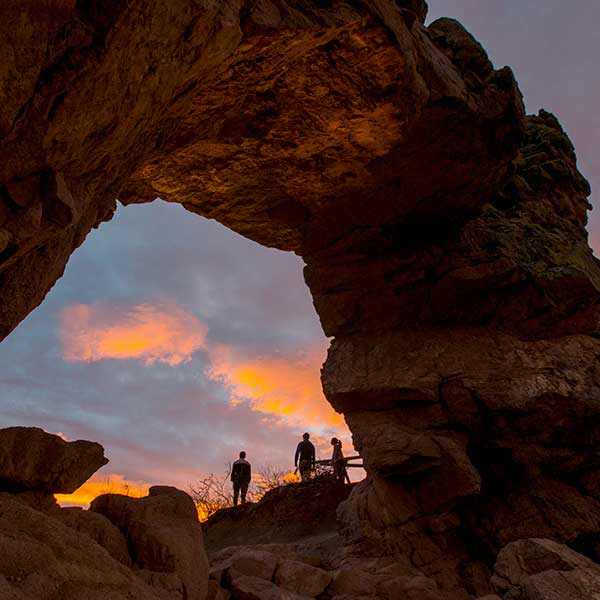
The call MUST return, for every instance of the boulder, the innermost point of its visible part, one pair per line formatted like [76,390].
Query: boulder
[32,459]
[216,592]
[163,536]
[355,582]
[43,559]
[42,501]
[99,528]
[410,588]
[539,569]
[301,578]
[245,561]
[244,587]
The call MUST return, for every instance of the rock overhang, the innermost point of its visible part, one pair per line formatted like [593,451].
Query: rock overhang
[431,213]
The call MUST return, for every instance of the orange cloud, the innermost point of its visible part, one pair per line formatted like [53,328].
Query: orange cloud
[288,387]
[284,387]
[152,333]
[98,485]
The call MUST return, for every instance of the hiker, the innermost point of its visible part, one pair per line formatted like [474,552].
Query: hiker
[338,462]
[241,474]
[306,453]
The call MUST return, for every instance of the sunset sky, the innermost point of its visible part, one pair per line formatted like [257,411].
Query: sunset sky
[176,343]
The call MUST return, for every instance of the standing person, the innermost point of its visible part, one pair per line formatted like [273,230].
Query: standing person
[241,474]
[305,451]
[337,461]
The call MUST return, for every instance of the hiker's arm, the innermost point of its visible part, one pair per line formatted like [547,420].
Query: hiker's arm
[296,455]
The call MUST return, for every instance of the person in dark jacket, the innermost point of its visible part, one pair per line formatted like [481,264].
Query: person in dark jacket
[338,462]
[304,458]
[241,474]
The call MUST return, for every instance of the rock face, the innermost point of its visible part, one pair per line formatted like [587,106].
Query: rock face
[32,459]
[164,538]
[284,514]
[317,568]
[442,230]
[44,559]
[538,569]
[138,549]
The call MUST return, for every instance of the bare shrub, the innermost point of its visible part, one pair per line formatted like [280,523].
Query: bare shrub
[213,492]
[270,477]
[120,486]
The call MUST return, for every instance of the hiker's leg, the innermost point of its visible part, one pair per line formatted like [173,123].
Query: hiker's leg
[236,492]
[244,489]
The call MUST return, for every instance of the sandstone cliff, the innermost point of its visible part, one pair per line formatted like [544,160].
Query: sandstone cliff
[442,230]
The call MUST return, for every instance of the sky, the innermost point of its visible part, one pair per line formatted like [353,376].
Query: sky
[176,343]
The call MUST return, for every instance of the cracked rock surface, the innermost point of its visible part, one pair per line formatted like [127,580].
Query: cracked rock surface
[443,233]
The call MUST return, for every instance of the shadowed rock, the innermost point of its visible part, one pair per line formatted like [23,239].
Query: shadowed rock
[44,559]
[32,459]
[443,234]
[538,569]
[164,538]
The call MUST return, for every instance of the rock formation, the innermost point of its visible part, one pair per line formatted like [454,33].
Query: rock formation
[32,460]
[443,234]
[539,569]
[125,549]
[283,515]
[164,538]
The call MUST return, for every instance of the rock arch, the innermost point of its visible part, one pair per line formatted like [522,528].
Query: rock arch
[443,232]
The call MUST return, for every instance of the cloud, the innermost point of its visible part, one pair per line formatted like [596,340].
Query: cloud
[288,386]
[256,400]
[151,333]
[112,483]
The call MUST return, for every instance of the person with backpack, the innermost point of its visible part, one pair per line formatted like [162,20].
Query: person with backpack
[304,459]
[241,474]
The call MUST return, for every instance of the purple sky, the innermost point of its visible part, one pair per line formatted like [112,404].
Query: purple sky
[245,326]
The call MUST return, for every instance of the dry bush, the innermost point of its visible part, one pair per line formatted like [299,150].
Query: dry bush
[214,492]
[270,477]
[123,487]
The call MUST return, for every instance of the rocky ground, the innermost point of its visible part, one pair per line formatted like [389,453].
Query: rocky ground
[120,549]
[443,232]
[152,548]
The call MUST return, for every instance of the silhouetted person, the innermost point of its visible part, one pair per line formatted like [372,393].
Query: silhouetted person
[337,461]
[241,474]
[306,453]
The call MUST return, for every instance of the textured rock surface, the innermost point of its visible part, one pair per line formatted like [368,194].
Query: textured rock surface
[539,569]
[99,528]
[43,559]
[301,578]
[32,459]
[321,566]
[284,514]
[443,234]
[164,538]
[153,551]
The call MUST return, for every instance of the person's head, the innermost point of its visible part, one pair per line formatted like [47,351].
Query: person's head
[334,441]
[306,436]
[242,454]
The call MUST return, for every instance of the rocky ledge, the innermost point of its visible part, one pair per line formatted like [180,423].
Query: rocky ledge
[121,549]
[443,232]
[152,548]
[322,565]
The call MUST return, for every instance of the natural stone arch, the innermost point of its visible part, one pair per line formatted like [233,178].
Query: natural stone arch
[443,232]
